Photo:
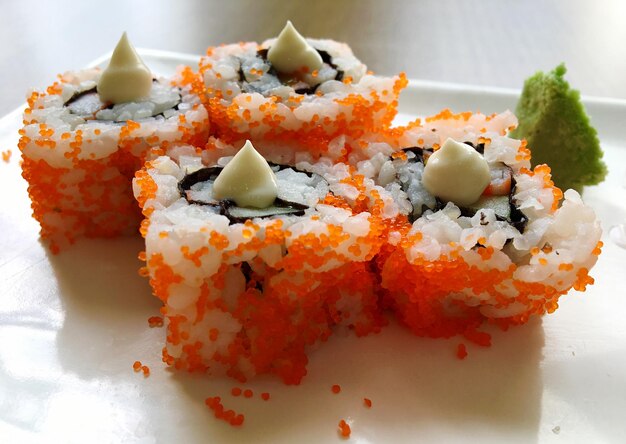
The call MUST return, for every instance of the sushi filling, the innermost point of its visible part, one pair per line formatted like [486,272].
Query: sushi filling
[164,101]
[297,192]
[498,196]
[257,75]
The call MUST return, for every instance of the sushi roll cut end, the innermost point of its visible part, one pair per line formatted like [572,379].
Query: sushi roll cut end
[90,132]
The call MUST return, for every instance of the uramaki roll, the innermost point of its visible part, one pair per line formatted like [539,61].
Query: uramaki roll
[249,290]
[250,98]
[507,255]
[80,154]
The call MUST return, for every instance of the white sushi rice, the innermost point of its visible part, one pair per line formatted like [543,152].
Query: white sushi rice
[100,136]
[223,65]
[188,223]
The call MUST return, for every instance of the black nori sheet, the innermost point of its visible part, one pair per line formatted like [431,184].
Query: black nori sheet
[250,276]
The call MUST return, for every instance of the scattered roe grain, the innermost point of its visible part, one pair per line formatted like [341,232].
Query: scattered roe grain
[344,429]
[235,391]
[230,416]
[6,155]
[461,351]
[155,321]
[139,367]
[336,388]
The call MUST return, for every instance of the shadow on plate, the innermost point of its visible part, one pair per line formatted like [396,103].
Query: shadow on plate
[418,387]
[106,306]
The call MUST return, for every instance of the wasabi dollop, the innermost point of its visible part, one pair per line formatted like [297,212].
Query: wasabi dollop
[554,122]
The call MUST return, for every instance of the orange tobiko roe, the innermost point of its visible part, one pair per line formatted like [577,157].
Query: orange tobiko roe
[461,351]
[359,114]
[280,328]
[344,429]
[420,299]
[279,344]
[235,391]
[230,416]
[314,136]
[102,203]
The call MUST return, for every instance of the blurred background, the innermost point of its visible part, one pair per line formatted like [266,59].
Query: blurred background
[476,42]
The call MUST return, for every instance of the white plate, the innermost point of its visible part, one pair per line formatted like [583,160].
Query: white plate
[72,325]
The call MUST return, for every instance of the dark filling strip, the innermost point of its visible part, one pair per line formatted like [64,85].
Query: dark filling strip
[326,58]
[92,96]
[516,218]
[250,276]
[228,208]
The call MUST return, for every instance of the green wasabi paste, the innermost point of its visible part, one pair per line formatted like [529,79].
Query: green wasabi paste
[553,121]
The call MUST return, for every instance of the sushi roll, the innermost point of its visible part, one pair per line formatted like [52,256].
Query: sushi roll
[486,239]
[85,137]
[254,261]
[293,91]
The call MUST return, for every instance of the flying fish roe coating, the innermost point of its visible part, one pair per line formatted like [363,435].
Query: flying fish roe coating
[79,170]
[461,351]
[228,415]
[344,429]
[359,105]
[460,271]
[251,298]
[155,321]
[483,284]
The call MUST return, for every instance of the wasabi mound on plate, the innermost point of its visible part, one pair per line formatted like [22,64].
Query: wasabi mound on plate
[554,122]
